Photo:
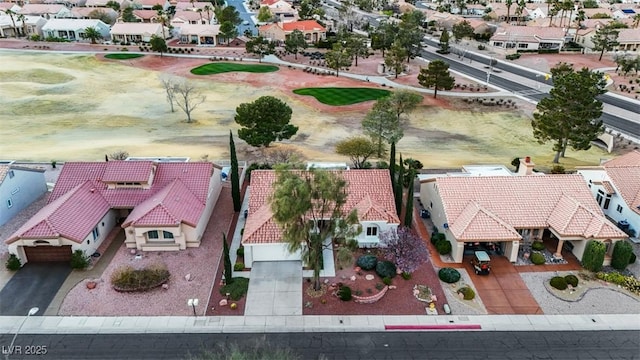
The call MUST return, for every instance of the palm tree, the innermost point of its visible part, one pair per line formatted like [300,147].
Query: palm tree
[11,13]
[208,9]
[92,34]
[162,16]
[552,10]
[509,3]
[23,21]
[636,21]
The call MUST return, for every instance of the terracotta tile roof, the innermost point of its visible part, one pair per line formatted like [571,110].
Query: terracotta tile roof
[521,202]
[629,36]
[145,14]
[136,28]
[179,189]
[86,11]
[304,25]
[31,9]
[624,172]
[528,33]
[474,219]
[268,2]
[369,193]
[608,187]
[190,15]
[193,5]
[4,170]
[127,171]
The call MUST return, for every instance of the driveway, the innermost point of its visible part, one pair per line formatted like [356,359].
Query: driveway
[275,289]
[35,284]
[503,291]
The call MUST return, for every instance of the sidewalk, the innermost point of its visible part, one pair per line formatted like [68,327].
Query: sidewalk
[314,323]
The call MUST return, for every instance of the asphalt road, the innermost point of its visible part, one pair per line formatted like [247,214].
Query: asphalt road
[245,16]
[599,345]
[625,125]
[35,284]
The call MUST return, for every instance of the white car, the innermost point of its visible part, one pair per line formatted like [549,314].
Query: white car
[245,22]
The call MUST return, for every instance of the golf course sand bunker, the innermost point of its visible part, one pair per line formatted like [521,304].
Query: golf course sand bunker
[78,107]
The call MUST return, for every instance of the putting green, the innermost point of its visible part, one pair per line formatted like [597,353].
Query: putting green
[123,56]
[343,96]
[219,68]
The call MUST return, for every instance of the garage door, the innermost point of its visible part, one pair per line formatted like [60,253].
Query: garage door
[48,253]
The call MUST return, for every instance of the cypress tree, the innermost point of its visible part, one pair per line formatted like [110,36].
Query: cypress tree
[408,216]
[398,188]
[228,274]
[235,177]
[392,164]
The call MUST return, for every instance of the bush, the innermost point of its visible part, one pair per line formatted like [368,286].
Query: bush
[632,258]
[467,292]
[367,262]
[386,281]
[240,251]
[622,251]
[386,269]
[481,47]
[571,280]
[406,275]
[13,263]
[436,236]
[593,256]
[449,275]
[344,293]
[629,282]
[79,260]
[537,258]
[537,245]
[238,266]
[236,289]
[558,282]
[126,278]
[443,247]
[513,56]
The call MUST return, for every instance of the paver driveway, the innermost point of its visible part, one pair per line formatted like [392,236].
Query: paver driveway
[36,284]
[503,291]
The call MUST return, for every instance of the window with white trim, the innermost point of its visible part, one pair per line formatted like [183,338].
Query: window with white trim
[96,233]
[11,174]
[167,235]
[152,235]
[619,209]
[372,231]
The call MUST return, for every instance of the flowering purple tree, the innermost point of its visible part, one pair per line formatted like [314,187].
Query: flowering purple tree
[404,248]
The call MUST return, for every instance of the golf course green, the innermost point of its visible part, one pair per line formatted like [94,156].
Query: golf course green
[223,67]
[338,96]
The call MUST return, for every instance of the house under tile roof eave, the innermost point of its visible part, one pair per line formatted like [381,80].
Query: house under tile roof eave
[624,172]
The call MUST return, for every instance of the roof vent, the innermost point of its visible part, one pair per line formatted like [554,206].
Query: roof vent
[92,190]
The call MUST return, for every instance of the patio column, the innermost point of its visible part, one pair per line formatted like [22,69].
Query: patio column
[558,253]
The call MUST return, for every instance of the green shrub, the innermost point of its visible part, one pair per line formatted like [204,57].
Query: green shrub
[238,266]
[571,280]
[386,269]
[513,56]
[406,275]
[344,293]
[240,251]
[443,247]
[379,286]
[436,236]
[367,262]
[593,256]
[13,263]
[127,279]
[79,260]
[558,282]
[386,281]
[622,251]
[481,47]
[537,245]
[628,282]
[632,258]
[449,275]
[467,292]
[237,289]
[537,258]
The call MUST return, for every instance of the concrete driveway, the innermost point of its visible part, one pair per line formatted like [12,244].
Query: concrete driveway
[35,284]
[275,289]
[503,291]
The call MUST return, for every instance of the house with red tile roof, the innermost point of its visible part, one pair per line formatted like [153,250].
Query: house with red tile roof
[616,187]
[19,187]
[511,211]
[313,32]
[528,37]
[283,10]
[370,193]
[162,206]
[138,32]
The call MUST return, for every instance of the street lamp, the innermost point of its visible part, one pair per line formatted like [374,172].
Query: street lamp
[31,312]
[193,303]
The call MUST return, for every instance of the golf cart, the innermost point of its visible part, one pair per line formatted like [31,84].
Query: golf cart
[481,263]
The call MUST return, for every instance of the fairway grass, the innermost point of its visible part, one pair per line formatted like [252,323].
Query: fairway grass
[219,68]
[123,56]
[343,96]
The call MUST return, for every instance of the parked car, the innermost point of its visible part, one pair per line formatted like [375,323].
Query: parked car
[481,263]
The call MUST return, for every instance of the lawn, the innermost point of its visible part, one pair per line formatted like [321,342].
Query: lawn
[219,68]
[123,56]
[343,96]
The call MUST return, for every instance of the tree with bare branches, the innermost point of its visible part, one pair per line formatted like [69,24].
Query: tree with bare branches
[187,96]
[168,83]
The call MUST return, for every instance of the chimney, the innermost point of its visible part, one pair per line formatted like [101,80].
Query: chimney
[526,167]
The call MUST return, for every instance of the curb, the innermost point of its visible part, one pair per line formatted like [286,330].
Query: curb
[433,327]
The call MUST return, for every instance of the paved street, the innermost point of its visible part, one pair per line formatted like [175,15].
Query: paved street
[599,345]
[35,284]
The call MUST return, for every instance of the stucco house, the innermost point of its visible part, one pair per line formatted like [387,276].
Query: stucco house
[4,6]
[138,32]
[162,206]
[146,16]
[192,5]
[73,29]
[629,40]
[103,3]
[616,187]
[281,9]
[149,4]
[183,17]
[510,211]
[369,191]
[47,11]
[94,13]
[528,37]
[19,187]
[313,32]
[199,34]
